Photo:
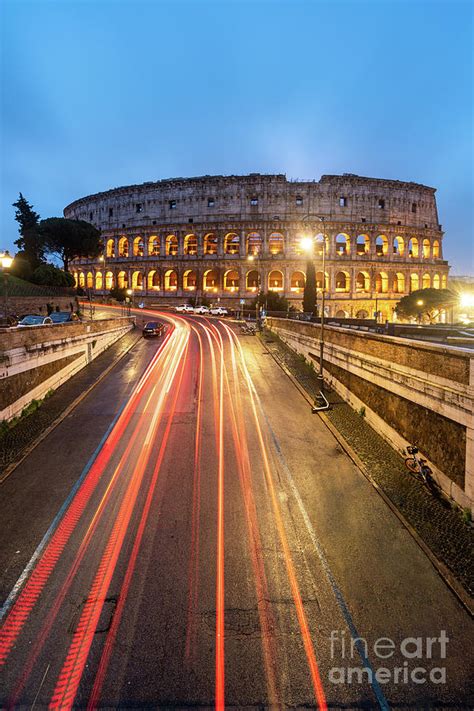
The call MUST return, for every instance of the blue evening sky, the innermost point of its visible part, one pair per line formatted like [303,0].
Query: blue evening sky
[97,94]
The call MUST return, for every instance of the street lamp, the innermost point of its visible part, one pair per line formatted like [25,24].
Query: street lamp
[251,258]
[6,261]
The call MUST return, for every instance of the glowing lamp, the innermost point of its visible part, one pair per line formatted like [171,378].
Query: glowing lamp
[306,243]
[466,300]
[6,260]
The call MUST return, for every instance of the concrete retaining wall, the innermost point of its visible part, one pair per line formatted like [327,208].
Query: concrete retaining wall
[35,360]
[412,392]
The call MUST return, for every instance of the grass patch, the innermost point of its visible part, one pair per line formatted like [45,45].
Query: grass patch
[7,425]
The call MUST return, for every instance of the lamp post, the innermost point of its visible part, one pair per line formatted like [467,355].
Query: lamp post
[251,258]
[307,243]
[130,300]
[6,261]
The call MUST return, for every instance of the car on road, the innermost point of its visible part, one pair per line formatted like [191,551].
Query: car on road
[201,310]
[152,328]
[184,309]
[35,320]
[219,311]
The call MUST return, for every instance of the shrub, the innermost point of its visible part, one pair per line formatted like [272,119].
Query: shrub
[49,275]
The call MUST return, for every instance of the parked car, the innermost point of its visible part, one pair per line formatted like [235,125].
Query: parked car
[63,317]
[201,310]
[152,328]
[184,309]
[35,320]
[219,311]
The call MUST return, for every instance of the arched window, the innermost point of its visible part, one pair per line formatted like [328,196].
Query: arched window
[123,247]
[90,280]
[362,314]
[190,245]
[76,279]
[399,246]
[413,247]
[381,283]
[110,248]
[171,246]
[426,248]
[211,280]
[231,243]
[444,281]
[82,279]
[436,249]
[362,244]
[436,281]
[297,282]
[153,280]
[275,243]
[122,280]
[252,280]
[138,247]
[189,280]
[381,245]
[341,314]
[414,282]
[275,280]
[362,281]
[342,244]
[426,281]
[210,244]
[109,280]
[171,280]
[98,280]
[231,280]
[137,281]
[399,283]
[342,281]
[319,281]
[154,245]
[254,244]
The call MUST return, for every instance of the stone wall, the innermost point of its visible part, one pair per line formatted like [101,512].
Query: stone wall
[412,392]
[35,360]
[23,305]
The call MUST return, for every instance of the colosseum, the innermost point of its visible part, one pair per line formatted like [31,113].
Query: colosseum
[228,237]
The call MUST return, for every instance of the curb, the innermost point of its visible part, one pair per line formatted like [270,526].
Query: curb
[27,451]
[443,571]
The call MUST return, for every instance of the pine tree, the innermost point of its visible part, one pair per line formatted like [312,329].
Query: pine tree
[30,241]
[309,295]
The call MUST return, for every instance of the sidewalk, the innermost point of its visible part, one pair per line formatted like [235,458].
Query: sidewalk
[440,527]
[16,441]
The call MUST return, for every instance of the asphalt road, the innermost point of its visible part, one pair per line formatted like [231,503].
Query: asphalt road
[204,542]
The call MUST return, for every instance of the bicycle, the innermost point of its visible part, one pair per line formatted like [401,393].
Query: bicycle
[418,466]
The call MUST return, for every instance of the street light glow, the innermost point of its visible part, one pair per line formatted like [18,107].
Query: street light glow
[6,260]
[466,300]
[420,302]
[306,243]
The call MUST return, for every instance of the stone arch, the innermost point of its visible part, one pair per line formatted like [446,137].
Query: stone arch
[122,280]
[138,246]
[210,280]
[231,243]
[342,314]
[381,283]
[319,281]
[276,243]
[362,282]
[297,282]
[362,244]
[252,280]
[170,280]
[190,280]
[137,280]
[171,246]
[342,281]
[123,247]
[190,245]
[254,244]
[399,283]
[153,245]
[343,244]
[82,279]
[413,247]
[76,279]
[99,281]
[153,280]
[231,280]
[426,249]
[399,246]
[444,281]
[436,251]
[210,244]
[426,281]
[110,248]
[381,245]
[436,281]
[109,280]
[90,280]
[275,280]
[414,282]
[362,314]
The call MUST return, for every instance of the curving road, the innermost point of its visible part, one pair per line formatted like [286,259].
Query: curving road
[191,536]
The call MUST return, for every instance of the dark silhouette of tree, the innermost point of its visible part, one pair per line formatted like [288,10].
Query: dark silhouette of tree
[309,294]
[30,241]
[69,239]
[425,304]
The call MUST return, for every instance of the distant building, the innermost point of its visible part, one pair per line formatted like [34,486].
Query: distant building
[228,236]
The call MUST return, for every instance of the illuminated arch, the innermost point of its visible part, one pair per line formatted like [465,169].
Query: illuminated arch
[90,280]
[381,245]
[153,280]
[414,282]
[436,281]
[399,283]
[362,282]
[275,280]
[137,281]
[252,280]
[342,281]
[190,245]
[231,280]
[138,247]
[426,281]
[98,280]
[362,313]
[153,245]
[444,281]
[319,281]
[381,283]
[343,243]
[110,248]
[109,280]
[297,282]
[171,249]
[82,279]
[426,248]
[210,243]
[399,246]
[76,279]
[342,314]
[122,280]
[436,252]
[123,248]
[254,244]
[231,243]
[171,280]
[362,244]
[189,280]
[275,243]
[210,280]
[413,247]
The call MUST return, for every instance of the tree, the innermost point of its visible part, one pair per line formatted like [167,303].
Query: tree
[118,294]
[309,294]
[272,301]
[69,239]
[30,242]
[425,304]
[21,267]
[49,275]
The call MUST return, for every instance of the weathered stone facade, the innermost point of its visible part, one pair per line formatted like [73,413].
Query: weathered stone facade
[229,236]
